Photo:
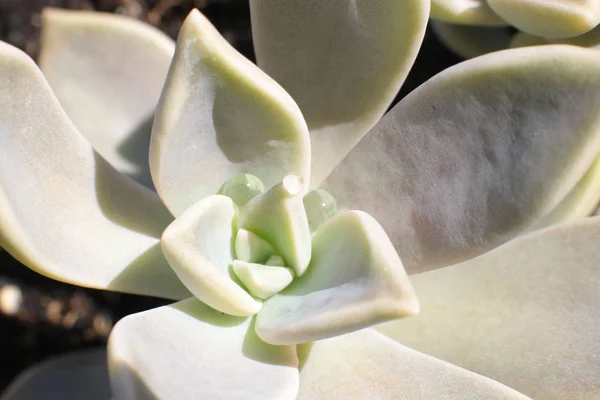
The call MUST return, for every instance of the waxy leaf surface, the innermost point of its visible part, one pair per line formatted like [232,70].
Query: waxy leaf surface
[549,18]
[342,62]
[526,314]
[355,279]
[189,351]
[219,116]
[465,12]
[367,365]
[64,211]
[108,72]
[199,247]
[478,153]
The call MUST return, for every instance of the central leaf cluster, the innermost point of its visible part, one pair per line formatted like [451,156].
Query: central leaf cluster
[273,241]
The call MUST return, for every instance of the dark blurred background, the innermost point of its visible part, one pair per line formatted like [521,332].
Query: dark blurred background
[40,317]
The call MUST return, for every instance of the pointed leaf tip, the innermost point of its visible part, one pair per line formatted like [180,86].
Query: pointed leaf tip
[279,217]
[198,245]
[62,205]
[303,45]
[107,71]
[355,279]
[220,116]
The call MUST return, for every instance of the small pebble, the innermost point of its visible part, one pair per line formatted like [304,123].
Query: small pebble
[10,299]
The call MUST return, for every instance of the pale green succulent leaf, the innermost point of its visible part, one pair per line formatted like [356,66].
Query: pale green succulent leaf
[589,39]
[262,281]
[278,216]
[465,12]
[471,41]
[74,376]
[549,18]
[367,365]
[355,279]
[199,247]
[108,72]
[342,61]
[219,116]
[275,261]
[478,153]
[522,39]
[189,351]
[581,201]
[64,211]
[526,314]
[252,248]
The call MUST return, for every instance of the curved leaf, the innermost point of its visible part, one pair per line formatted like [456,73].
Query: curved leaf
[79,375]
[64,211]
[199,247]
[526,314]
[355,279]
[219,116]
[478,153]
[465,12]
[581,201]
[108,72]
[522,39]
[367,365]
[190,351]
[342,61]
[549,18]
[471,41]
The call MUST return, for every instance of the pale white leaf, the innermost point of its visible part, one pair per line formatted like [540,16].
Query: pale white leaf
[478,153]
[64,211]
[549,18]
[199,247]
[526,314]
[107,71]
[219,116]
[355,279]
[342,61]
[190,351]
[471,41]
[367,365]
[465,12]
[75,376]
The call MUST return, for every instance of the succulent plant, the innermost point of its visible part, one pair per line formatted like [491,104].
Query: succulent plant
[474,27]
[243,163]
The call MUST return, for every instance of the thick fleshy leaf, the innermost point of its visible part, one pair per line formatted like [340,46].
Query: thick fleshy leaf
[465,12]
[64,211]
[199,247]
[581,201]
[107,71]
[477,153]
[252,248]
[590,39]
[219,116]
[549,18]
[522,39]
[526,314]
[471,41]
[76,376]
[263,281]
[279,217]
[190,351]
[367,365]
[343,62]
[355,279]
